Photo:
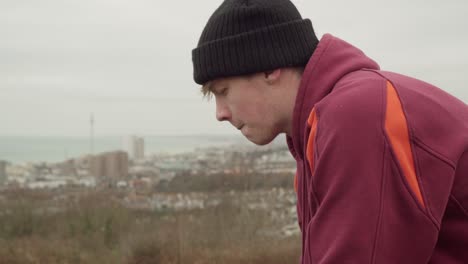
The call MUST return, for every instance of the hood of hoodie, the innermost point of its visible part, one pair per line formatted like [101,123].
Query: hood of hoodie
[332,60]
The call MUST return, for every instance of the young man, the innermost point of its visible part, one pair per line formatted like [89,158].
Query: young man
[382,159]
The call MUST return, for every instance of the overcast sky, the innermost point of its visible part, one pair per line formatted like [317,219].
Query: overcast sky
[129,62]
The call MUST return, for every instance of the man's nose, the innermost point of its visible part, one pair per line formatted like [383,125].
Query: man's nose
[222,112]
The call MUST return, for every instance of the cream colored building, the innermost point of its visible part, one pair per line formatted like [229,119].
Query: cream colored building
[110,164]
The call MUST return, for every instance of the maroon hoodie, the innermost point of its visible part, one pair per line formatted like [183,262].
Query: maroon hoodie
[382,164]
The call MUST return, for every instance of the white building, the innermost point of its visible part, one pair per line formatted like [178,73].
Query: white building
[135,147]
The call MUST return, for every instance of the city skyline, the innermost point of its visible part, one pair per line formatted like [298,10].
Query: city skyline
[129,62]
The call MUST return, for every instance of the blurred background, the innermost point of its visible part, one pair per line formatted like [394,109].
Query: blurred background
[109,153]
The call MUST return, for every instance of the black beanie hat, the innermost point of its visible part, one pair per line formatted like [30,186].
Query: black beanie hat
[250,36]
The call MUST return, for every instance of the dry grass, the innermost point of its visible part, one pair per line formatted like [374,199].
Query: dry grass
[96,229]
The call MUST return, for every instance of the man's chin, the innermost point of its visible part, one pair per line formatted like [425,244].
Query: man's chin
[260,141]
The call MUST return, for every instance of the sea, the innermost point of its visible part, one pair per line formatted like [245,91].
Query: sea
[20,149]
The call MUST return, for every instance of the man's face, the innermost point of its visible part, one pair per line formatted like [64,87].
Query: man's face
[249,104]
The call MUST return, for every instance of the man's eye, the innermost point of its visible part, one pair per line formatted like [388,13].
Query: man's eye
[222,91]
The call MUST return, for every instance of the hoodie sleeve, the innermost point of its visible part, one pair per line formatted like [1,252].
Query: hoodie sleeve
[370,206]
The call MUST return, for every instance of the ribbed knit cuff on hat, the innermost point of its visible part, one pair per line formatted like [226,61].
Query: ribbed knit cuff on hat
[289,44]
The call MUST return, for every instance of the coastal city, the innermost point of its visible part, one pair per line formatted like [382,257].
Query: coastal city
[130,167]
[258,178]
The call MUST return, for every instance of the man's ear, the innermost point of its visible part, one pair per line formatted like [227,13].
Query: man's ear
[272,76]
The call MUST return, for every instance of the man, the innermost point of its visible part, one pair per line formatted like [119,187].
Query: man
[382,159]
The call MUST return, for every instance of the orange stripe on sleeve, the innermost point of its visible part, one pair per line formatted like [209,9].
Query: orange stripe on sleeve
[397,130]
[312,122]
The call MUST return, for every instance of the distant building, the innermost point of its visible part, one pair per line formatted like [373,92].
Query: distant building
[139,148]
[67,168]
[110,164]
[135,147]
[3,175]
